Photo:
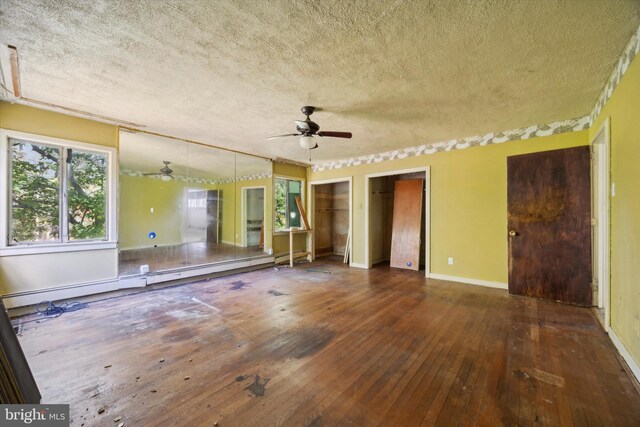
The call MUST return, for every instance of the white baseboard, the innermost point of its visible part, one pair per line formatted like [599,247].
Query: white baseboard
[633,364]
[469,281]
[21,299]
[358,265]
[206,269]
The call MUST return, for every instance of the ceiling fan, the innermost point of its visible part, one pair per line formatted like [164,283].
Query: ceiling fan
[307,129]
[165,172]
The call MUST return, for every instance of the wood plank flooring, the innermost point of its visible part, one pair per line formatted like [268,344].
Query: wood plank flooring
[333,346]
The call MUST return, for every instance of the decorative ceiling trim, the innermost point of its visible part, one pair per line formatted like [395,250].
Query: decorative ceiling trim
[629,53]
[193,180]
[563,126]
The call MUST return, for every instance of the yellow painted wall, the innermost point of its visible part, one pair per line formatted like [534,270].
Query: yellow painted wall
[41,271]
[623,109]
[139,194]
[35,272]
[281,239]
[33,120]
[468,203]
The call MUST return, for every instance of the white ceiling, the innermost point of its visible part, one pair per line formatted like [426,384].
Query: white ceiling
[395,73]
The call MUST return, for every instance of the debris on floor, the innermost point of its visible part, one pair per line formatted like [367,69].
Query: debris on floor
[317,270]
[276,293]
[162,360]
[101,410]
[107,366]
[187,377]
[116,419]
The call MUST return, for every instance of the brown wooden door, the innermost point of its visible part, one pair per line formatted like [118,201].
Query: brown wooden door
[549,225]
[407,216]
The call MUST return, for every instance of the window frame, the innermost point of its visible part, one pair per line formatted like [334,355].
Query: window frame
[64,244]
[282,231]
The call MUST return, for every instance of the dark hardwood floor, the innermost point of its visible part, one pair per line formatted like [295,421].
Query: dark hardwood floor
[332,346]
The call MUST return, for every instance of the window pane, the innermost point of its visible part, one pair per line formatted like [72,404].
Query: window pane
[87,182]
[294,213]
[281,203]
[35,192]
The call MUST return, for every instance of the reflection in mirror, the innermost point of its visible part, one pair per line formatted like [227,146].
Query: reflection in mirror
[184,204]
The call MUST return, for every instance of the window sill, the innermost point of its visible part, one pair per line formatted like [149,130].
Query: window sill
[55,248]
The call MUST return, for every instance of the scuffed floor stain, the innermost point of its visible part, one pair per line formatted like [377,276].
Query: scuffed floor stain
[238,285]
[317,422]
[276,293]
[257,388]
[298,343]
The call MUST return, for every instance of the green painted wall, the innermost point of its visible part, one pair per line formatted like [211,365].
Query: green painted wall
[623,110]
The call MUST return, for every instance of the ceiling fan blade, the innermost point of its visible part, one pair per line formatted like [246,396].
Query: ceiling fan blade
[282,136]
[151,174]
[334,134]
[302,124]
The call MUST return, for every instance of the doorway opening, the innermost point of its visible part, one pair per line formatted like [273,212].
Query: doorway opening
[380,201]
[253,217]
[331,217]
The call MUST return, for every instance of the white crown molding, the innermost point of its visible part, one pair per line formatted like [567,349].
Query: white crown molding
[628,55]
[563,126]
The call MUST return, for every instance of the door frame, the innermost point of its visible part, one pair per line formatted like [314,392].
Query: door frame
[601,200]
[243,209]
[311,206]
[427,212]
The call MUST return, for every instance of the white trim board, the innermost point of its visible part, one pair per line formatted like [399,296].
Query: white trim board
[207,269]
[601,212]
[466,280]
[631,362]
[358,265]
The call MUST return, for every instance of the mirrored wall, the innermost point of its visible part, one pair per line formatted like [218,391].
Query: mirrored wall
[185,204]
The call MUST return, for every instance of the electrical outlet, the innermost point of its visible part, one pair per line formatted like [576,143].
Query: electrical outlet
[450,260]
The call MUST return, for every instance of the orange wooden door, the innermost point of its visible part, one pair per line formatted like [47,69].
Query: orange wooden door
[407,215]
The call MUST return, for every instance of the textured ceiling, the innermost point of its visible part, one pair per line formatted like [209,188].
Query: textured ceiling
[395,73]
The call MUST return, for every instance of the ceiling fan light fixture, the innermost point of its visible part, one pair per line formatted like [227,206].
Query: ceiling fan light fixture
[166,177]
[307,142]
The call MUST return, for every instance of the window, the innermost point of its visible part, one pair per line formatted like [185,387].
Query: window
[286,210]
[58,193]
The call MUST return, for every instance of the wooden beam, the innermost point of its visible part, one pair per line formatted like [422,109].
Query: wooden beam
[303,214]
